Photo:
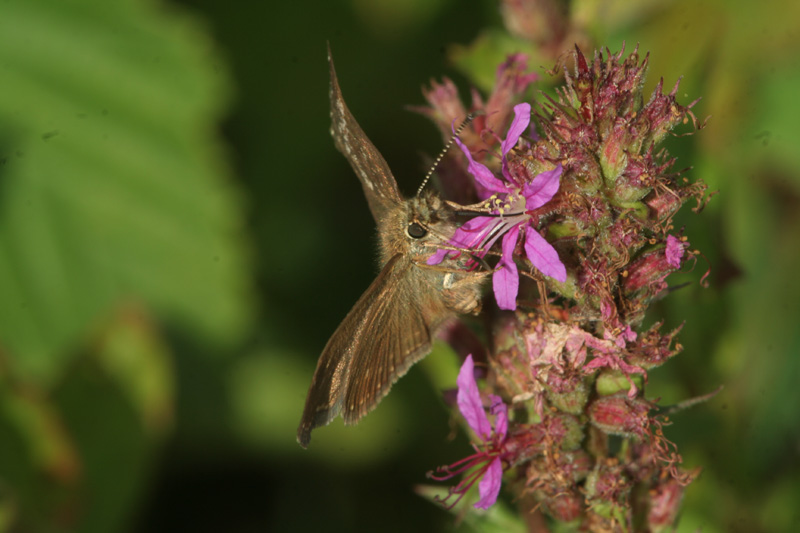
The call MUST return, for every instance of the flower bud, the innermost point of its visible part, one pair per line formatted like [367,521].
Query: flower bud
[445,104]
[662,113]
[566,430]
[655,348]
[541,21]
[663,205]
[614,152]
[513,80]
[610,382]
[608,491]
[619,415]
[665,502]
[564,507]
[647,272]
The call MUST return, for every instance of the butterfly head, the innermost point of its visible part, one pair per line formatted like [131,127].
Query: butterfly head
[426,221]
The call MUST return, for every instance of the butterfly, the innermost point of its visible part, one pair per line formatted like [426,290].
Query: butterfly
[392,325]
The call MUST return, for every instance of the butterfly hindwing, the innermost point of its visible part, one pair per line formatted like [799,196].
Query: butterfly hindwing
[399,333]
[365,355]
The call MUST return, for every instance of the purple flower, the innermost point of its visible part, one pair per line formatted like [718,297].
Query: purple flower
[487,463]
[674,251]
[518,197]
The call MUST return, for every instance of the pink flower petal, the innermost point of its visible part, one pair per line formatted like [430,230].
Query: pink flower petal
[469,400]
[500,410]
[522,118]
[514,65]
[482,174]
[472,233]
[437,257]
[469,236]
[674,251]
[489,487]
[628,334]
[505,284]
[505,281]
[543,256]
[542,189]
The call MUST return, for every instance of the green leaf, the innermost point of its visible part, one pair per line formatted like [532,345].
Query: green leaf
[115,448]
[775,136]
[479,60]
[498,518]
[134,355]
[111,182]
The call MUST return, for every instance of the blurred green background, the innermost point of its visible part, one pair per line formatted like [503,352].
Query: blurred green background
[178,238]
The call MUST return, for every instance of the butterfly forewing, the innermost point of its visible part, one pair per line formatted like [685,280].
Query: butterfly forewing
[364,357]
[371,168]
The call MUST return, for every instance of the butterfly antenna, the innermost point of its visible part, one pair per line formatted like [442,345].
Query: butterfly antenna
[444,151]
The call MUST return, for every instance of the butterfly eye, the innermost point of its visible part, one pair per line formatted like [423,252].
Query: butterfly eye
[416,231]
